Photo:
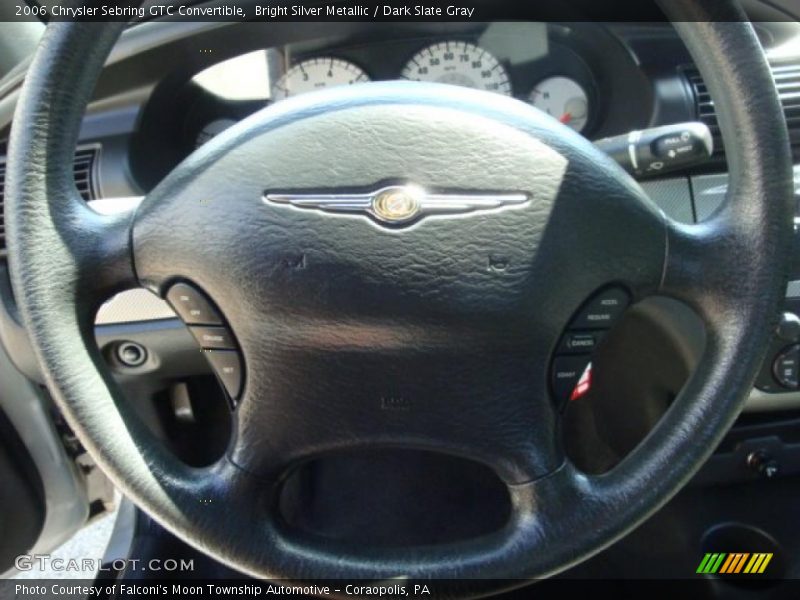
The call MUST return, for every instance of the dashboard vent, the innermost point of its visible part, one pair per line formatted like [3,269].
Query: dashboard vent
[787,80]
[84,168]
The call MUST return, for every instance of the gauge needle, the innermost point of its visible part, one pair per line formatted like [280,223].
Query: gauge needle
[566,118]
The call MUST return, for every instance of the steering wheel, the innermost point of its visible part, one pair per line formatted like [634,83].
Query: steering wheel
[332,311]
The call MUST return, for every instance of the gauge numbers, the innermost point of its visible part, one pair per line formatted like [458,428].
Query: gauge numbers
[563,99]
[458,63]
[316,74]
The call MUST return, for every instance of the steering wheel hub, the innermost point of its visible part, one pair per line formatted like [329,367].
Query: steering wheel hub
[335,313]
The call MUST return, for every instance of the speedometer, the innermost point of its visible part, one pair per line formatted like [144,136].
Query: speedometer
[458,63]
[316,74]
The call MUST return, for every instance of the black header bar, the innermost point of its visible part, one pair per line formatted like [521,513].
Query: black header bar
[344,10]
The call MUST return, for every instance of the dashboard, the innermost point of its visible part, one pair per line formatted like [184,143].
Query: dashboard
[577,73]
[599,79]
[520,60]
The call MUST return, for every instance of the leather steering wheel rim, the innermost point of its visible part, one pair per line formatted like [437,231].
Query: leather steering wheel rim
[731,270]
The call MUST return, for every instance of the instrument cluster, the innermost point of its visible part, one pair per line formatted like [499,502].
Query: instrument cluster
[534,65]
[454,62]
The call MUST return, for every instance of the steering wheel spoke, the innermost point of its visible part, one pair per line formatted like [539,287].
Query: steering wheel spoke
[487,404]
[93,260]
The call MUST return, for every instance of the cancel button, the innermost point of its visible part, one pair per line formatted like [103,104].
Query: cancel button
[580,342]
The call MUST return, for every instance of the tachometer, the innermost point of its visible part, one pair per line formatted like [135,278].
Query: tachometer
[563,99]
[458,63]
[316,74]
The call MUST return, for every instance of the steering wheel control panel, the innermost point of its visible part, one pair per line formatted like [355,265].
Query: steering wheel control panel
[780,372]
[215,338]
[571,372]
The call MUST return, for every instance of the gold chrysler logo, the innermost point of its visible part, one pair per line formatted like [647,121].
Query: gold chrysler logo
[398,205]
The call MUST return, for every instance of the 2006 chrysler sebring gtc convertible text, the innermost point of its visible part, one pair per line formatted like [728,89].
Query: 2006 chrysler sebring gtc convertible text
[384,306]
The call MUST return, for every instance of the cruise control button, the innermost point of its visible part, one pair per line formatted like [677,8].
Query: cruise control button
[191,306]
[683,144]
[228,366]
[786,368]
[580,342]
[217,338]
[567,372]
[602,310]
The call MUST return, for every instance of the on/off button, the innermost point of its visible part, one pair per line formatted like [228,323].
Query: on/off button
[603,310]
[191,306]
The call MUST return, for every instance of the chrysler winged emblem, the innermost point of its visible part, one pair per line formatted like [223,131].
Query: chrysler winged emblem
[399,204]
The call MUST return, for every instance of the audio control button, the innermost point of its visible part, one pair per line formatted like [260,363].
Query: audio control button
[217,338]
[227,364]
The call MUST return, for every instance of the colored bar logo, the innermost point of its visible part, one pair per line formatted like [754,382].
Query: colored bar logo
[734,563]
